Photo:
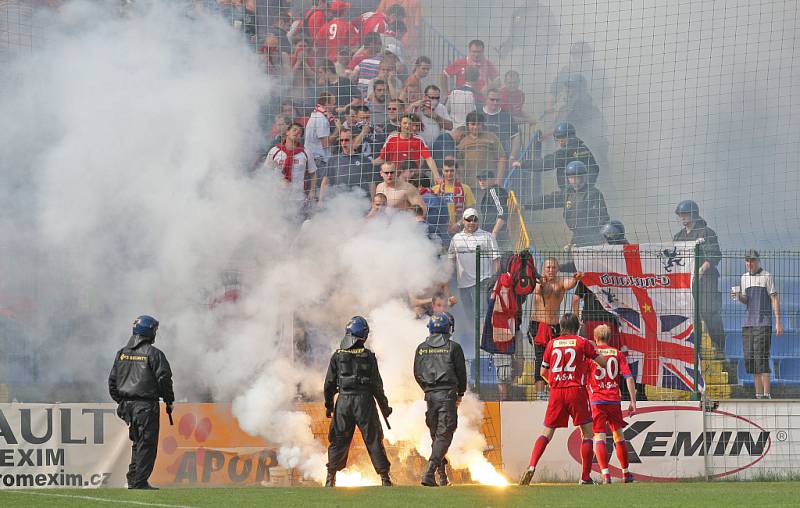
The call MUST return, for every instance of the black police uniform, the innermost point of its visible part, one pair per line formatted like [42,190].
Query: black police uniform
[576,150]
[585,212]
[353,374]
[140,376]
[441,372]
[710,297]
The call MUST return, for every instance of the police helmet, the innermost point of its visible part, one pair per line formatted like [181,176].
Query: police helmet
[613,231]
[357,327]
[576,168]
[439,323]
[452,319]
[564,130]
[146,326]
[688,206]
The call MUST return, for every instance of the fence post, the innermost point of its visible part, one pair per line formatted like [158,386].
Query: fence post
[698,324]
[477,364]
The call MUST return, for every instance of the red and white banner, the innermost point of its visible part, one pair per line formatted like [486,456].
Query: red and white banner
[648,287]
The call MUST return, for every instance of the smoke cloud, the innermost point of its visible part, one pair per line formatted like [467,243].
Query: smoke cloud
[123,143]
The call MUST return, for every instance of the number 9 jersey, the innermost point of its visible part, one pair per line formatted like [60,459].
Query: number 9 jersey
[604,381]
[568,358]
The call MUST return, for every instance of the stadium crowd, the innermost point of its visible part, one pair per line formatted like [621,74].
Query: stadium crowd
[358,108]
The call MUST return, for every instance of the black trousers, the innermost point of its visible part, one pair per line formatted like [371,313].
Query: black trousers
[710,305]
[442,421]
[142,417]
[356,410]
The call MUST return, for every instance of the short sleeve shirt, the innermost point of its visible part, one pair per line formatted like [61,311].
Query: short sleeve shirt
[398,149]
[458,68]
[604,381]
[758,288]
[317,127]
[566,357]
[462,250]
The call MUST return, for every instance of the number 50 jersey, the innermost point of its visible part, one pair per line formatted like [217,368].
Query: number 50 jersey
[604,381]
[566,357]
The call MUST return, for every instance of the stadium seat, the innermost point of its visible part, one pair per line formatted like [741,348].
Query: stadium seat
[785,346]
[788,371]
[733,344]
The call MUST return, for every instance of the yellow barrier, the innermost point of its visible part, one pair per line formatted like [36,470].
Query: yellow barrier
[516,224]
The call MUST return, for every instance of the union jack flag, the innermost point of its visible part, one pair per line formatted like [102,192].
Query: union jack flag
[648,287]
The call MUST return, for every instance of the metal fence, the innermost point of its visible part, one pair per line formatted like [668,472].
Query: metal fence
[740,343]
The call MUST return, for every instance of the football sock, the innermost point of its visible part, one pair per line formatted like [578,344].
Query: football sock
[601,452]
[538,450]
[621,448]
[586,458]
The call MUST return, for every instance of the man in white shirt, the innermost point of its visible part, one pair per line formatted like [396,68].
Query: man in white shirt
[293,162]
[462,254]
[318,129]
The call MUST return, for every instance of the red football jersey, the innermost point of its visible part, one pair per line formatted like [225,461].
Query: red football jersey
[334,34]
[604,381]
[372,22]
[566,357]
[398,149]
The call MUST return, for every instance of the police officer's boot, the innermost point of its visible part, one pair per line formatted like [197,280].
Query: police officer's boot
[385,480]
[428,478]
[441,472]
[330,481]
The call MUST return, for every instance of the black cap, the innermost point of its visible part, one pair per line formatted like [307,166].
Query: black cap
[485,174]
[751,254]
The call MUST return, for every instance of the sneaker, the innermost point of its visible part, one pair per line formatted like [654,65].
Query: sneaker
[628,478]
[607,480]
[527,477]
[587,482]
[766,396]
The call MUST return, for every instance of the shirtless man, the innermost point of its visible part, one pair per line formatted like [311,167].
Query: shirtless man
[548,295]
[400,195]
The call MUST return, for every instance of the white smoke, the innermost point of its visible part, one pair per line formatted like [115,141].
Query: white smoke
[123,143]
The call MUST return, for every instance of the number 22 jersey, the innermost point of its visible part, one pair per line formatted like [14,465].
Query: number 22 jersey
[566,358]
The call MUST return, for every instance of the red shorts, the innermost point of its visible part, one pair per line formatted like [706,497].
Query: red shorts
[566,402]
[604,415]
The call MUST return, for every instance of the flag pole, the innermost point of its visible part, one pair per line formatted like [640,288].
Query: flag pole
[698,325]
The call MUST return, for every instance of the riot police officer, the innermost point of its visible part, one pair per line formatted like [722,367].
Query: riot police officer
[353,374]
[441,372]
[584,206]
[571,148]
[140,376]
[710,304]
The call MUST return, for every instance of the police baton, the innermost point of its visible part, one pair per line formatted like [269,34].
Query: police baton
[386,419]
[169,414]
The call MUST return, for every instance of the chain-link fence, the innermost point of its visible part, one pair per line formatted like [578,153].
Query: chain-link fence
[739,322]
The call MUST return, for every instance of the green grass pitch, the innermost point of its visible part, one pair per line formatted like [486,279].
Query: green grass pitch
[729,494]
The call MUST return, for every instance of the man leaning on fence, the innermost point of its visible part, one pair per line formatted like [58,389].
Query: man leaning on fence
[759,294]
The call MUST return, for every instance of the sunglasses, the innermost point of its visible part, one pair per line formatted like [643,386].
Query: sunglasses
[434,97]
[471,219]
[345,140]
[388,172]
[391,109]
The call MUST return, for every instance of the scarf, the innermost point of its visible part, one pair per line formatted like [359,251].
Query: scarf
[458,196]
[321,109]
[287,164]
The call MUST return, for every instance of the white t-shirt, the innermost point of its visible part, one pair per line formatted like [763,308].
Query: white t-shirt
[462,249]
[302,163]
[317,128]
[432,129]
